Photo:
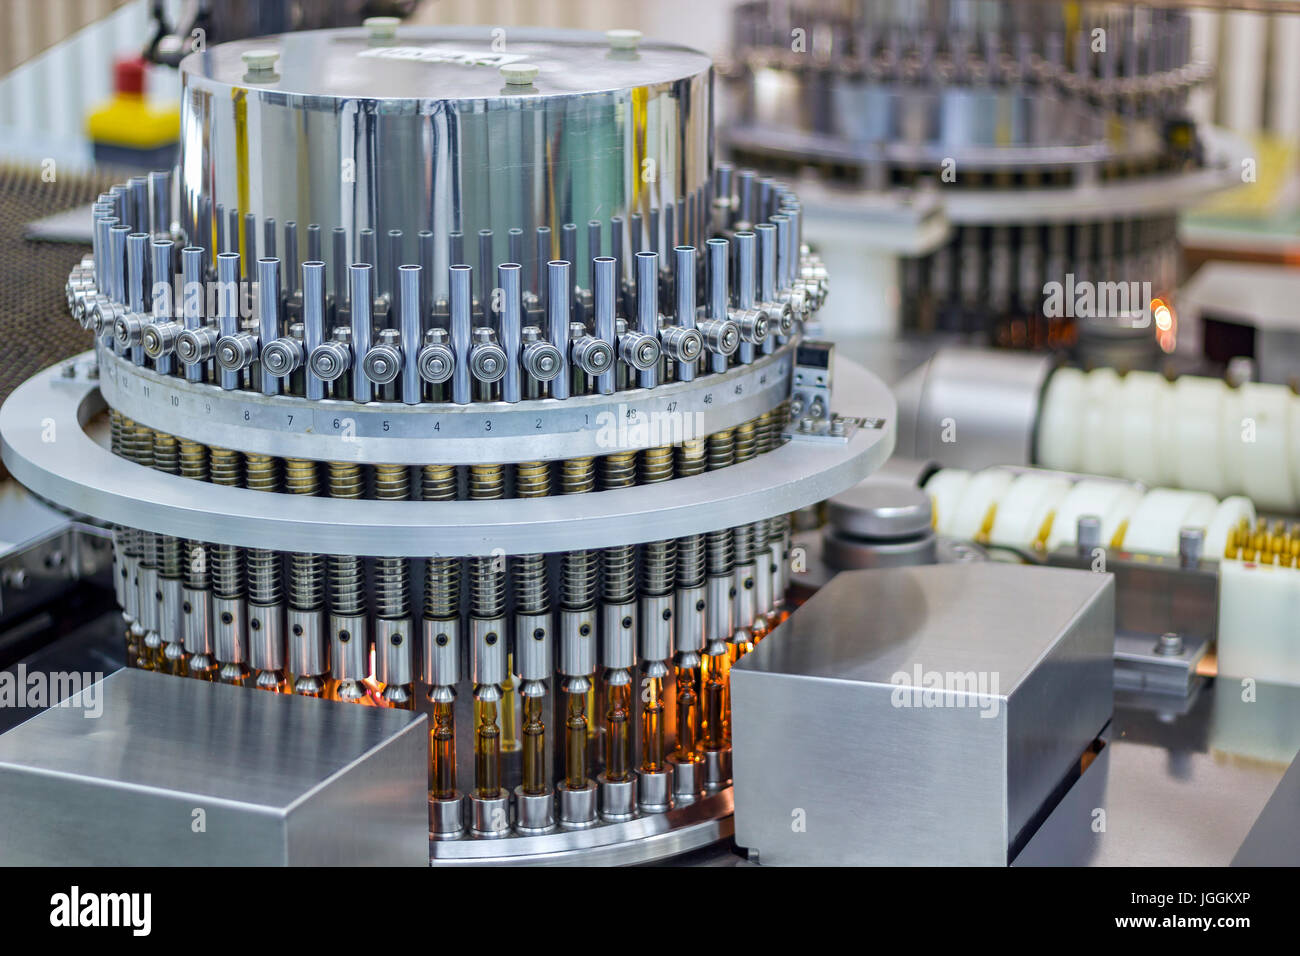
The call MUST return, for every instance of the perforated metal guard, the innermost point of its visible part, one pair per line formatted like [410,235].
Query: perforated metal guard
[33,311]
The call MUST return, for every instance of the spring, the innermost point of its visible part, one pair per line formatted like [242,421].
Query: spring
[746,442]
[347,575]
[719,547]
[441,575]
[346,480]
[658,567]
[487,578]
[442,588]
[168,548]
[392,482]
[227,571]
[532,479]
[619,563]
[691,457]
[744,543]
[392,576]
[618,580]
[265,580]
[691,460]
[193,464]
[306,581]
[578,569]
[528,571]
[577,476]
[765,428]
[487,481]
[301,477]
[138,442]
[578,573]
[618,471]
[166,453]
[528,576]
[487,587]
[438,483]
[225,467]
[690,561]
[115,431]
[306,571]
[722,449]
[193,460]
[657,464]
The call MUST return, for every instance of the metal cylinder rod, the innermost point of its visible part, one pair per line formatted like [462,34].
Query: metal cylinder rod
[268,314]
[291,264]
[361,278]
[228,307]
[409,297]
[557,311]
[767,274]
[313,319]
[718,263]
[508,281]
[604,292]
[647,307]
[684,272]
[459,302]
[745,275]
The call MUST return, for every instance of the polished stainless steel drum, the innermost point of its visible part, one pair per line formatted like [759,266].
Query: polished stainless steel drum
[441,131]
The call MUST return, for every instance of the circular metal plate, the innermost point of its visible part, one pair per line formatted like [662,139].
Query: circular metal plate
[482,432]
[880,509]
[46,447]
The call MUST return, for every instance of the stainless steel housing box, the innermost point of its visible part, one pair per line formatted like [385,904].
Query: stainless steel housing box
[280,780]
[842,757]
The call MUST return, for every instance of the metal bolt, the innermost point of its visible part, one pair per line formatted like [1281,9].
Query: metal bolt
[1170,645]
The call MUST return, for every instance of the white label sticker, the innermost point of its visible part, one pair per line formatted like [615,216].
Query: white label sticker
[425,54]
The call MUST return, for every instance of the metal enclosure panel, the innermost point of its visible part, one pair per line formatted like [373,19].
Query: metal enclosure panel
[281,780]
[831,715]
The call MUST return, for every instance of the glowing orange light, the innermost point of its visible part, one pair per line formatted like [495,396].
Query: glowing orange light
[1166,324]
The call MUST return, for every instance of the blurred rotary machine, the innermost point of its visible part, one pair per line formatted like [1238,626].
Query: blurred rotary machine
[492,405]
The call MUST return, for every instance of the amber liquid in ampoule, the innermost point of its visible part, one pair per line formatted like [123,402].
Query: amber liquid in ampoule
[618,730]
[534,737]
[575,739]
[487,750]
[442,750]
[652,725]
[715,703]
[688,711]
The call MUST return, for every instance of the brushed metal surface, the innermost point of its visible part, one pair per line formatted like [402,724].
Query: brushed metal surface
[280,780]
[423,132]
[830,768]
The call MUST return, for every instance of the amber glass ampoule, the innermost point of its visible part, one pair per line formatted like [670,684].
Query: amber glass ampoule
[487,743]
[653,745]
[575,732]
[442,744]
[534,780]
[688,705]
[715,702]
[618,726]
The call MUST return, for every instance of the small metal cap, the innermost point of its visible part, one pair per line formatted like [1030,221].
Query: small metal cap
[623,39]
[381,28]
[261,60]
[1088,533]
[880,509]
[1191,542]
[519,74]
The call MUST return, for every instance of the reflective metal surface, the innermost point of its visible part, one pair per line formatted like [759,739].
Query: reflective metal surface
[423,132]
[961,696]
[270,776]
[80,473]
